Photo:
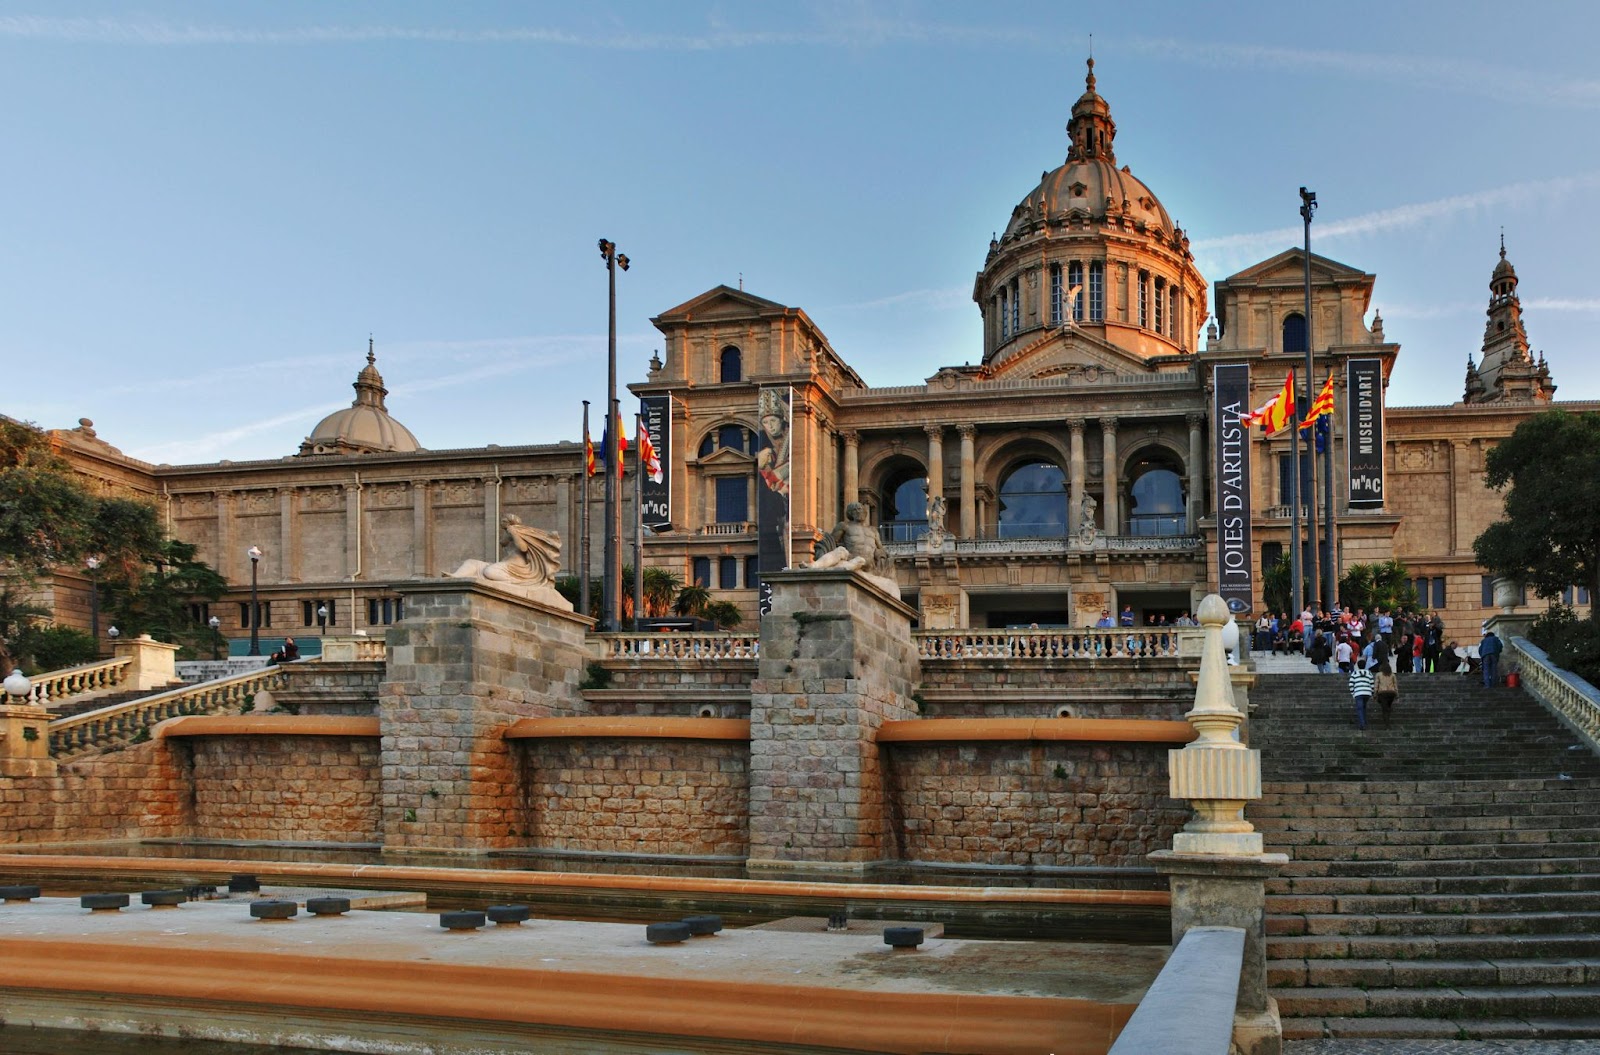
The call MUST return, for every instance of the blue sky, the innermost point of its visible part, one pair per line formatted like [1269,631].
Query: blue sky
[213,205]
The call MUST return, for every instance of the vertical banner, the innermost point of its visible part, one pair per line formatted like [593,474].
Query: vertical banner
[775,414]
[1231,438]
[1363,434]
[656,500]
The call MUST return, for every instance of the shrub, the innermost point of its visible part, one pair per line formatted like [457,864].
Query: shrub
[50,647]
[1572,643]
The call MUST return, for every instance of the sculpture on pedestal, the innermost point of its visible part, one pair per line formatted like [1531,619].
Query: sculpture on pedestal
[530,572]
[853,545]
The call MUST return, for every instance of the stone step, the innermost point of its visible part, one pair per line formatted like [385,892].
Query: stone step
[1407,925]
[1506,827]
[1465,884]
[1379,809]
[1455,947]
[1533,1027]
[1435,904]
[1413,974]
[1443,867]
[1478,790]
[1440,1002]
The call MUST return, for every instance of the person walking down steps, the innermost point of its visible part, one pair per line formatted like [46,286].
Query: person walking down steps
[1361,691]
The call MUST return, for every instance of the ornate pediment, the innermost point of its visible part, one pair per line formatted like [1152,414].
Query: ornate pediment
[1288,268]
[1066,352]
[721,302]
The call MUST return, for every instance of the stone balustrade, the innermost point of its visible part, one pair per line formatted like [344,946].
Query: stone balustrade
[670,647]
[1082,643]
[57,685]
[120,723]
[354,649]
[1573,700]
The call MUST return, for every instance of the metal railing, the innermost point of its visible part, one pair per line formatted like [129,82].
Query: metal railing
[1083,643]
[57,685]
[670,647]
[1573,700]
[123,722]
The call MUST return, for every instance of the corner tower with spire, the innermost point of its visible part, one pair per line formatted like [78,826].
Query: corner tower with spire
[1507,372]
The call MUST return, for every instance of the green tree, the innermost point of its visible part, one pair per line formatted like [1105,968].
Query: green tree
[1549,538]
[153,595]
[661,588]
[692,600]
[1386,584]
[725,614]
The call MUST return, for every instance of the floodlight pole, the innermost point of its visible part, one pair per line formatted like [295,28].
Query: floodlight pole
[611,613]
[1308,205]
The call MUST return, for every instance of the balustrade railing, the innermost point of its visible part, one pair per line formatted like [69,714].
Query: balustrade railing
[56,685]
[1562,691]
[731,528]
[669,647]
[1085,643]
[122,722]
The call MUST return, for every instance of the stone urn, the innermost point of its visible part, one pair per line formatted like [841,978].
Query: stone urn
[1507,594]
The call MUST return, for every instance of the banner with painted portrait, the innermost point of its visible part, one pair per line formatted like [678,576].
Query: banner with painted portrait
[655,501]
[774,415]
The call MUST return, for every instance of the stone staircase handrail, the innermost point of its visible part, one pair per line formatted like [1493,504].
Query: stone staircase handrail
[673,647]
[121,722]
[1081,643]
[57,685]
[1189,1008]
[1569,697]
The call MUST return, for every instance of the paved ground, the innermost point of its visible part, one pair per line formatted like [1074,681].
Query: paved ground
[1442,1047]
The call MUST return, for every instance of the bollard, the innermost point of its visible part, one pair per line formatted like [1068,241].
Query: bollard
[328,906]
[902,937]
[465,919]
[509,915]
[703,926]
[666,933]
[163,898]
[273,909]
[18,893]
[103,902]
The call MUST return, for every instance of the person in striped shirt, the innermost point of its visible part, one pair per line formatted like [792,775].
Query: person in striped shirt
[1361,692]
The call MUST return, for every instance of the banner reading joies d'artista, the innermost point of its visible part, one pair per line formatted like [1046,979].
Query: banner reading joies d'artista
[656,498]
[1231,440]
[772,486]
[1363,433]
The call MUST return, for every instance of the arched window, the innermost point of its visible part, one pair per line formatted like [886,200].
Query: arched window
[1005,312]
[1144,299]
[1033,502]
[731,365]
[903,511]
[730,437]
[1016,305]
[1055,294]
[1161,305]
[1158,506]
[1294,332]
[1075,282]
[1097,291]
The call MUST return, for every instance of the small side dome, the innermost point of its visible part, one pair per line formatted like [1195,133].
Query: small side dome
[365,427]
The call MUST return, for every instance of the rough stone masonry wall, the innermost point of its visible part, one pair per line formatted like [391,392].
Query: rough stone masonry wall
[139,792]
[639,796]
[465,663]
[286,789]
[1009,803]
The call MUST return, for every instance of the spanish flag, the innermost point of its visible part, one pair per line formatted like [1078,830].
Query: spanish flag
[1322,405]
[1274,415]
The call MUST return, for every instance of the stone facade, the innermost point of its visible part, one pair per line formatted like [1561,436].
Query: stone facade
[285,789]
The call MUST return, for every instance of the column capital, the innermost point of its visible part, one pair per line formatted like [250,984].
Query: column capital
[935,433]
[1077,424]
[852,438]
[1195,420]
[967,431]
[1108,424]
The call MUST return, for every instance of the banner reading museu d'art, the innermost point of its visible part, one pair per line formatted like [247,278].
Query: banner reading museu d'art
[655,499]
[1363,434]
[774,412]
[1231,440]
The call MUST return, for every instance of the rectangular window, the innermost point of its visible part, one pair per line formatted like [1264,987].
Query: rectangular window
[1487,585]
[702,572]
[733,501]
[1144,299]
[263,614]
[318,613]
[1016,305]
[1172,310]
[1161,299]
[1286,484]
[1097,292]
[1438,592]
[200,614]
[728,573]
[1055,294]
[1005,313]
[385,611]
[752,572]
[374,617]
[1075,289]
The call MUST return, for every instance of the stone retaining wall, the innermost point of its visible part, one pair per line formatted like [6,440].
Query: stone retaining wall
[139,792]
[686,797]
[286,789]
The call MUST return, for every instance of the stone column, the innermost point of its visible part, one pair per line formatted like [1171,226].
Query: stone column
[969,483]
[1075,475]
[465,663]
[1216,869]
[935,435]
[228,555]
[837,661]
[422,528]
[1197,476]
[288,535]
[852,466]
[1461,479]
[1111,516]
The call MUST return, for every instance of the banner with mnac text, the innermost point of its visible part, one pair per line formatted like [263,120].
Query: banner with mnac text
[1363,433]
[1230,440]
[774,414]
[655,499]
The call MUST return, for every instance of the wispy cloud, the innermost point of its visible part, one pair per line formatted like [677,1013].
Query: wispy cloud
[1563,303]
[1430,311]
[949,297]
[1404,216]
[205,448]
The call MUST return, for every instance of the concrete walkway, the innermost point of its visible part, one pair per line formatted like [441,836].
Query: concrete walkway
[1441,1047]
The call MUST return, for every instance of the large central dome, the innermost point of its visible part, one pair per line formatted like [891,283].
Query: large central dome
[1089,251]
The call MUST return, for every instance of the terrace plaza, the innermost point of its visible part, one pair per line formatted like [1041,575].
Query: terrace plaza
[942,738]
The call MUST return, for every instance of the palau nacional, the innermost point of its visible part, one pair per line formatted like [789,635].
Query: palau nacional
[1074,467]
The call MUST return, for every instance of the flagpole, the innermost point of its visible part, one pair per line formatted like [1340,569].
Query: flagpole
[638,521]
[583,519]
[1331,566]
[1297,587]
[1308,205]
[611,612]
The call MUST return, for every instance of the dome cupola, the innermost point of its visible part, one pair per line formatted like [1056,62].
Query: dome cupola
[364,427]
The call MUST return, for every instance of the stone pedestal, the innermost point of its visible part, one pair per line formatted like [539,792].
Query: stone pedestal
[466,662]
[154,662]
[836,662]
[25,741]
[1215,890]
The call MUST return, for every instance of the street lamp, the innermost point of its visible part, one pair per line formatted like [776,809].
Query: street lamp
[322,619]
[254,553]
[216,637]
[1308,205]
[113,634]
[93,564]
[611,613]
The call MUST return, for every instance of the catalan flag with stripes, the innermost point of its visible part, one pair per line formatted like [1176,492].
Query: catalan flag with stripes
[1321,406]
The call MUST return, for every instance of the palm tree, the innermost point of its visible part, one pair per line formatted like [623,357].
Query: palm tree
[692,600]
[725,614]
[661,587]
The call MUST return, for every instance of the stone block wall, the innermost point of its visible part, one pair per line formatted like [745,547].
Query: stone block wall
[326,687]
[1009,803]
[286,788]
[638,796]
[465,663]
[140,792]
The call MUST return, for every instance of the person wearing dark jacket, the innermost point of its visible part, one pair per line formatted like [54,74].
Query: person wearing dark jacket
[1489,650]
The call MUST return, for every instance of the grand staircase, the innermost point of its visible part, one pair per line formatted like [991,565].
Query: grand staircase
[1444,874]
